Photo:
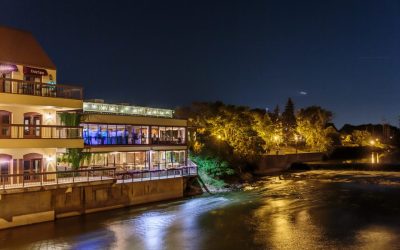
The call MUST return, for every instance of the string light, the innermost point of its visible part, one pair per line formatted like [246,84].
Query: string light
[127,110]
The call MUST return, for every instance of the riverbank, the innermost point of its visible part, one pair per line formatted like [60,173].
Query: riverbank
[47,203]
[298,210]
[356,166]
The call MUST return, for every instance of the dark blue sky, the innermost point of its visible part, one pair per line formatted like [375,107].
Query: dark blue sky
[344,54]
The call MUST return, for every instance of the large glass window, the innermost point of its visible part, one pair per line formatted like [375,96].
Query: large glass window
[140,160]
[168,135]
[103,134]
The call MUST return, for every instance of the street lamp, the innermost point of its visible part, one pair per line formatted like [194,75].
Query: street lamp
[372,142]
[276,139]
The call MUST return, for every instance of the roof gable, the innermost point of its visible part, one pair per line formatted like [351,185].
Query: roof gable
[20,47]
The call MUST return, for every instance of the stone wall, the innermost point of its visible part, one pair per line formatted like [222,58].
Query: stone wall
[28,207]
[275,163]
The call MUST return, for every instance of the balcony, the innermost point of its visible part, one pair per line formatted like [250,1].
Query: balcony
[91,176]
[13,91]
[47,136]
[128,141]
[13,86]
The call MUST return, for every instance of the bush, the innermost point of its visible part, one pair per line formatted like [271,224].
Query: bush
[212,169]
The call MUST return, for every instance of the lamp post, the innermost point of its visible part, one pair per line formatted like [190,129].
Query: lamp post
[372,142]
[276,139]
[296,139]
[219,137]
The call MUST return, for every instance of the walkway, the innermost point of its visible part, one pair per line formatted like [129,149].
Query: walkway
[18,181]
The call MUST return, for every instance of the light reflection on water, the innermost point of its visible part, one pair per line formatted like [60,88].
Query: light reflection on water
[309,210]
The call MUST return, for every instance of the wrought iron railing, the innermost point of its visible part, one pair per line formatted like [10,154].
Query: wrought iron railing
[145,175]
[31,179]
[14,86]
[21,131]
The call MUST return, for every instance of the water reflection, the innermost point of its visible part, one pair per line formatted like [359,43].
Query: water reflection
[309,210]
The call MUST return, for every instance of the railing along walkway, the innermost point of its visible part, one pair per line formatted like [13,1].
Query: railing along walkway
[26,180]
[148,175]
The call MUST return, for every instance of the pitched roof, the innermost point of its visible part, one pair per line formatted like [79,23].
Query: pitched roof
[20,47]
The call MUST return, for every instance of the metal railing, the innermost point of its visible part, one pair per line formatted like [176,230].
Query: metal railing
[14,86]
[9,181]
[21,131]
[25,180]
[146,175]
[126,140]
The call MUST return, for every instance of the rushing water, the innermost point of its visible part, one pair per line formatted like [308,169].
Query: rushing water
[309,210]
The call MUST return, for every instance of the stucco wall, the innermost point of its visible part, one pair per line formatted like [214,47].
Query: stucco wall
[46,205]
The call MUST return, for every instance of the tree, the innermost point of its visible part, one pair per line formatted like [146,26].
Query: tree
[265,129]
[289,121]
[361,137]
[275,115]
[312,126]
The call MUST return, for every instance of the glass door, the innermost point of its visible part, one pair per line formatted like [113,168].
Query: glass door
[32,85]
[4,171]
[32,128]
[31,169]
[5,121]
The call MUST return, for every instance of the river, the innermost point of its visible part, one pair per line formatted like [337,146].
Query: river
[304,210]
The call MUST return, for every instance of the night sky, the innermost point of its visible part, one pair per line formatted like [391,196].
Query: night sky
[343,54]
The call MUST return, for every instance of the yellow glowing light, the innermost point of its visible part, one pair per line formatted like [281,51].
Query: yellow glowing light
[49,117]
[50,158]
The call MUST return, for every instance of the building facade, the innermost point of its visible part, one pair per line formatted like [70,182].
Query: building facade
[34,138]
[30,99]
[133,138]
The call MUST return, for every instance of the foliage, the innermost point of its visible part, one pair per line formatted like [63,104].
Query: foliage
[312,126]
[70,118]
[212,166]
[361,137]
[226,124]
[227,139]
[265,129]
[289,121]
[76,156]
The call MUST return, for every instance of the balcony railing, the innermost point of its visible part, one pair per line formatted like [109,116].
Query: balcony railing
[10,181]
[31,179]
[14,86]
[126,140]
[21,131]
[146,175]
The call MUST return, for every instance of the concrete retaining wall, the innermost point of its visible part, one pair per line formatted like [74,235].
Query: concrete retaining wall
[28,207]
[275,163]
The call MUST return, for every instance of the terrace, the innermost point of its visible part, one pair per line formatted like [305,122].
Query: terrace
[20,87]
[22,131]
[10,182]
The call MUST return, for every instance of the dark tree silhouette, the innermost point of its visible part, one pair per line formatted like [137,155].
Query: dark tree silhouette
[289,120]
